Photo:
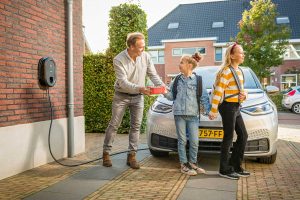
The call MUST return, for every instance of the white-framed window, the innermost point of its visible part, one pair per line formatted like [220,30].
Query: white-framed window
[157,56]
[287,80]
[292,52]
[176,52]
[218,54]
[217,25]
[188,51]
[282,20]
[173,25]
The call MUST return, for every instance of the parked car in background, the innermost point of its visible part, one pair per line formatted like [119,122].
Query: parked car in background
[291,99]
[258,111]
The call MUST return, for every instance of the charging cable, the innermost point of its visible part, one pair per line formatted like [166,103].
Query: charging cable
[79,164]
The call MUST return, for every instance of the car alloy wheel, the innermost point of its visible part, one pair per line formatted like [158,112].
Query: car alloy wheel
[296,108]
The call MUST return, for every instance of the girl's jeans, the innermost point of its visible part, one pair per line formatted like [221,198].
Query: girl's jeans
[187,126]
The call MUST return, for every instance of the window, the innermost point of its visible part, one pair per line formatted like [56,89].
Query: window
[188,51]
[173,25]
[201,50]
[282,20]
[217,24]
[292,52]
[161,56]
[157,56]
[218,54]
[287,81]
[176,52]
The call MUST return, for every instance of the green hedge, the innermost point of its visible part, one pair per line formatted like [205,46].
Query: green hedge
[276,98]
[99,78]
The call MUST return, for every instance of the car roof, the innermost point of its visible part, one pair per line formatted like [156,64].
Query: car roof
[210,67]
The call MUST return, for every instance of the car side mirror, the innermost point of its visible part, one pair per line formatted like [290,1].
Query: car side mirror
[271,89]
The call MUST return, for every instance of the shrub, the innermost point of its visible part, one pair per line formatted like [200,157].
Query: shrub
[276,98]
[98,91]
[98,94]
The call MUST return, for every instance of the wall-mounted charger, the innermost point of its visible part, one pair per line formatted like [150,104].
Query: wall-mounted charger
[47,71]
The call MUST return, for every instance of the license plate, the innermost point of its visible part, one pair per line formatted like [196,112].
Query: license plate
[211,133]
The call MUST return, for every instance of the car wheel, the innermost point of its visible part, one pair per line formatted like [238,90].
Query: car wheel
[268,160]
[156,153]
[296,108]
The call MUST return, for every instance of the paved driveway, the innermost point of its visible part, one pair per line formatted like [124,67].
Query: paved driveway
[160,178]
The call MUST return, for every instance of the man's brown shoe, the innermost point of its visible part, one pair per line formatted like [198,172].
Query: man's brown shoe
[131,160]
[106,159]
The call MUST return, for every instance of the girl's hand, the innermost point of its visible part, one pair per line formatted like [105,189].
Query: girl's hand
[242,96]
[212,115]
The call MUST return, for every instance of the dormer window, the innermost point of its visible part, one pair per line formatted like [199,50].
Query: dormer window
[217,24]
[173,25]
[282,20]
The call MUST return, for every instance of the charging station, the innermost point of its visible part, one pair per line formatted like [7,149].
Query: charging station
[47,71]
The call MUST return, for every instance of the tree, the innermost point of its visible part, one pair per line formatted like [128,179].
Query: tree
[263,40]
[124,19]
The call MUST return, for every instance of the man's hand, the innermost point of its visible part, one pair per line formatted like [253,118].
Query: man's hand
[144,90]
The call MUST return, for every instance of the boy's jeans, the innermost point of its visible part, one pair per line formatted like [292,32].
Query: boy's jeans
[187,124]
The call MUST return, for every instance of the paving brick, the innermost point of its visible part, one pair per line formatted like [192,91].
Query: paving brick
[161,178]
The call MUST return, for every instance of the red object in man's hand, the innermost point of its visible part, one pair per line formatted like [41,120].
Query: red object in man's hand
[157,89]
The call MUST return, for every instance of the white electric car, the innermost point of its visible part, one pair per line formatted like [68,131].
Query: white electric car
[258,111]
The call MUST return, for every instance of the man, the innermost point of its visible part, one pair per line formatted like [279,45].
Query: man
[131,67]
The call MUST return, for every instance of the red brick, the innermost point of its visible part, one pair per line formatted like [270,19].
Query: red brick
[13,118]
[34,29]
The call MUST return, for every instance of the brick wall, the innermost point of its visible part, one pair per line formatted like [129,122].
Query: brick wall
[160,68]
[31,29]
[288,65]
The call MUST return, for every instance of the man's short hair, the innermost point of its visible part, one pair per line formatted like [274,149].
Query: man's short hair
[133,37]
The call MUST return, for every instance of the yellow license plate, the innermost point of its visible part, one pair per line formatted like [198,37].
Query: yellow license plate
[211,133]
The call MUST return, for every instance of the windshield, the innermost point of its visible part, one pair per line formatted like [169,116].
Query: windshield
[209,73]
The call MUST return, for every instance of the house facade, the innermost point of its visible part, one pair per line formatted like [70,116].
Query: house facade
[209,27]
[30,30]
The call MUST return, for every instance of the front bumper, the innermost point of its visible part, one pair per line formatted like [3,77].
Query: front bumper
[262,134]
[160,142]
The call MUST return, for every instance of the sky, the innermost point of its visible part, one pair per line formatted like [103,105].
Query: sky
[96,17]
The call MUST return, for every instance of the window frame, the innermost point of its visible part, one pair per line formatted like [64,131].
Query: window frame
[287,82]
[182,48]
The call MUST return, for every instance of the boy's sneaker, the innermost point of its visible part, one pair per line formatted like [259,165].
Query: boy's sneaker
[198,169]
[242,173]
[186,169]
[230,175]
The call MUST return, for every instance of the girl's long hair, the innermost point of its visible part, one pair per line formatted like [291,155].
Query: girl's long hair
[227,61]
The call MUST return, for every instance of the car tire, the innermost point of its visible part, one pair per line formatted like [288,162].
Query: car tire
[268,160]
[156,153]
[296,108]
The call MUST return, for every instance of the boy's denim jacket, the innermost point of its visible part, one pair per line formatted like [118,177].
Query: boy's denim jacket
[186,100]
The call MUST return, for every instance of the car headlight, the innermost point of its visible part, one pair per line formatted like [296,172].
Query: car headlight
[161,107]
[260,109]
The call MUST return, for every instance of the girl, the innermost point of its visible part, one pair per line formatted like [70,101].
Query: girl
[225,86]
[185,114]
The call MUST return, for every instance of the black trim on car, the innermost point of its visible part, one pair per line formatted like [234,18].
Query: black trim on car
[163,142]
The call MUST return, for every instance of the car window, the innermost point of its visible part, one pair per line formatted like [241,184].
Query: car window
[288,90]
[298,89]
[209,74]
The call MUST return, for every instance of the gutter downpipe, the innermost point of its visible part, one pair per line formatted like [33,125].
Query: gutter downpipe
[70,81]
